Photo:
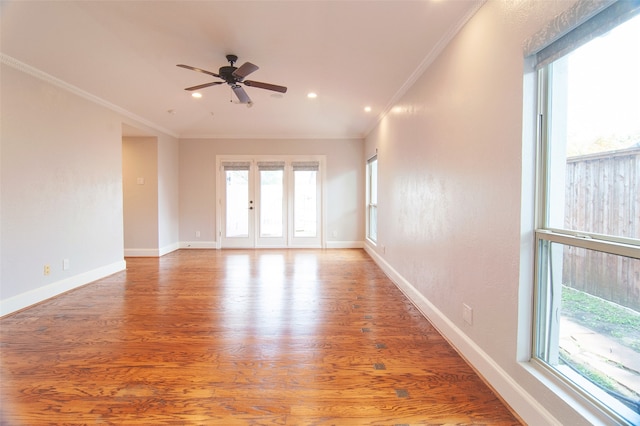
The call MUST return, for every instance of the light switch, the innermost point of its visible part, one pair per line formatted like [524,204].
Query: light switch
[140,181]
[467,314]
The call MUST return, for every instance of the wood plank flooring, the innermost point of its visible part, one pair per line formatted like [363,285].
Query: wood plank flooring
[226,337]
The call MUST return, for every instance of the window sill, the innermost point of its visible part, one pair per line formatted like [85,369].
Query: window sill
[586,407]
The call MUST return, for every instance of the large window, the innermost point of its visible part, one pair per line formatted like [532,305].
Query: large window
[372,199]
[587,316]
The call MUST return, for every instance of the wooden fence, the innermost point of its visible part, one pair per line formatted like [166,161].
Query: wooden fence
[606,200]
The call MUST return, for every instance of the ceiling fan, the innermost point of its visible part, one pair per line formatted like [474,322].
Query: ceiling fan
[234,76]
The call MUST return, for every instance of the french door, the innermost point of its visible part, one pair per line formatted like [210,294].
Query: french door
[270,202]
[238,206]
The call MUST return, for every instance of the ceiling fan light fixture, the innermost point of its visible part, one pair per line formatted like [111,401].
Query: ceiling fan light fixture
[312,95]
[196,95]
[367,109]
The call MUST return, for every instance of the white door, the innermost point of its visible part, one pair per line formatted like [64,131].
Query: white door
[305,212]
[270,203]
[238,206]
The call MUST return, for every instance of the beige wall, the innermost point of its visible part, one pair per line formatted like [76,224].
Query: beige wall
[454,202]
[168,194]
[140,195]
[454,177]
[344,184]
[150,209]
[61,190]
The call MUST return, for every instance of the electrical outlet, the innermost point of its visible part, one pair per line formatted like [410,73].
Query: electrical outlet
[467,314]
[47,269]
[197,234]
[65,264]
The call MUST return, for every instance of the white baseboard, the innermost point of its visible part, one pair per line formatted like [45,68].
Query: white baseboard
[141,252]
[168,249]
[345,244]
[48,291]
[153,252]
[530,410]
[198,245]
[214,245]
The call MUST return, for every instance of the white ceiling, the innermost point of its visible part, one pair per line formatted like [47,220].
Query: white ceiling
[351,53]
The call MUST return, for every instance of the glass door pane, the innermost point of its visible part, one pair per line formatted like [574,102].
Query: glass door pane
[271,208]
[237,194]
[238,208]
[305,215]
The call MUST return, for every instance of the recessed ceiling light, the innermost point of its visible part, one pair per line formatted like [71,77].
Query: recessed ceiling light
[367,109]
[312,95]
[196,95]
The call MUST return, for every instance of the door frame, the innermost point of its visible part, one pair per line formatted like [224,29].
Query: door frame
[289,241]
[238,241]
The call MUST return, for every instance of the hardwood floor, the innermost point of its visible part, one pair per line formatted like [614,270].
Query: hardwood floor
[206,337]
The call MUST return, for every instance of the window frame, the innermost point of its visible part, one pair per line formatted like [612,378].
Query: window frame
[372,206]
[545,235]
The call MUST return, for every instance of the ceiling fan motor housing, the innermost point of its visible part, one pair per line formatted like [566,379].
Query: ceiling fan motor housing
[226,73]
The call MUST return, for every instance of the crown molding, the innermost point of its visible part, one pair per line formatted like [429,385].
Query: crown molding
[41,75]
[270,137]
[426,62]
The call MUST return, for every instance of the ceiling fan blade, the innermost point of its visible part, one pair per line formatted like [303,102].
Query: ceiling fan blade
[198,69]
[241,94]
[267,86]
[202,86]
[246,69]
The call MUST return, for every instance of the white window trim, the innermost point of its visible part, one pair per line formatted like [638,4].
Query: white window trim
[533,184]
[369,204]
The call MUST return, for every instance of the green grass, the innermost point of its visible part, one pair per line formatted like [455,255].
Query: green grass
[609,319]
[587,372]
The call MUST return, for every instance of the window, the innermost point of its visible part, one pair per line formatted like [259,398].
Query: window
[587,302]
[372,199]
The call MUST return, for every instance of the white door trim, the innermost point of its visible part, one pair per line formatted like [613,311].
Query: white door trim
[288,159]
